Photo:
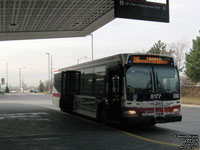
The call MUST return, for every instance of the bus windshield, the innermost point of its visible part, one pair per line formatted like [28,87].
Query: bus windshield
[139,81]
[144,80]
[166,79]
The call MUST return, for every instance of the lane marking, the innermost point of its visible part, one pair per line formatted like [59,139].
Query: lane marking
[150,140]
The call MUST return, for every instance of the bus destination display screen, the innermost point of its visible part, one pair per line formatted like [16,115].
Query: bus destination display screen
[150,59]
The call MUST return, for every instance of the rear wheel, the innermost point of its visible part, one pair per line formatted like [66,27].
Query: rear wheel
[103,116]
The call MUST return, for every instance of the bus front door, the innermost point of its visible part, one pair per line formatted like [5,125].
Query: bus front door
[114,94]
[69,87]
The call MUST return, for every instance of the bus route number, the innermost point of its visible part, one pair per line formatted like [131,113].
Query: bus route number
[155,96]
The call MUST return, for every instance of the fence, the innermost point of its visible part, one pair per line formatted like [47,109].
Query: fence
[191,92]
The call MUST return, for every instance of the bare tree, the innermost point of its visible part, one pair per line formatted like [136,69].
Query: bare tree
[179,49]
[185,82]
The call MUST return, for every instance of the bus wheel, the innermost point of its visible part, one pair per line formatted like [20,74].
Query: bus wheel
[151,123]
[103,116]
[62,109]
[65,110]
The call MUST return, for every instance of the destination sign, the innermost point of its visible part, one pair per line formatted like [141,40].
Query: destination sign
[142,59]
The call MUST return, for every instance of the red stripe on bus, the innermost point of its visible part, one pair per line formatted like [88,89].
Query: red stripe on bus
[56,94]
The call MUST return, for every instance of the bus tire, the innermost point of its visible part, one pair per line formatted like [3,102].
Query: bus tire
[62,109]
[65,110]
[152,123]
[103,116]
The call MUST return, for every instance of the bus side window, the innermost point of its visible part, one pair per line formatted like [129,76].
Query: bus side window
[99,85]
[77,82]
[115,84]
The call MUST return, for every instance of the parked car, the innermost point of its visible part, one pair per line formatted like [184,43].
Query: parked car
[33,91]
[1,91]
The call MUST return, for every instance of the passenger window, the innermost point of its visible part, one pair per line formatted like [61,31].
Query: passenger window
[115,84]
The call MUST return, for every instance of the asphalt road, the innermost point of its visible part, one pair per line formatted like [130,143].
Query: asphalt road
[30,121]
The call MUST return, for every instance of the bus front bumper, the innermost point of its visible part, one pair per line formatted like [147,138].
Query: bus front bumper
[135,120]
[171,118]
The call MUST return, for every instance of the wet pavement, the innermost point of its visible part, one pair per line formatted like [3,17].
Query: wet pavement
[31,122]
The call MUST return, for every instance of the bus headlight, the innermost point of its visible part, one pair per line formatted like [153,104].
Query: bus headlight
[130,112]
[176,110]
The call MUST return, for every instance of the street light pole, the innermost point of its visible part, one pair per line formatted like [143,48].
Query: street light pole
[6,75]
[48,70]
[22,83]
[20,78]
[92,46]
[51,72]
[80,59]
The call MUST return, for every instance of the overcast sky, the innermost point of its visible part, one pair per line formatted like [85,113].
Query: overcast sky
[118,36]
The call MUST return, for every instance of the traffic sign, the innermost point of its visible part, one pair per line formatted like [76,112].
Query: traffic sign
[142,10]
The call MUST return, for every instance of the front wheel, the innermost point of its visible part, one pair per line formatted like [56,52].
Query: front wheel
[65,110]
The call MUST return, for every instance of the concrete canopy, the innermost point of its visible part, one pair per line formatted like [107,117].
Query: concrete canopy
[37,19]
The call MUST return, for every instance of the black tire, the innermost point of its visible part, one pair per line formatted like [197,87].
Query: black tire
[65,110]
[103,116]
[152,123]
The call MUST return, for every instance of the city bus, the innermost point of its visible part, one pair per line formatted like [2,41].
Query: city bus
[127,88]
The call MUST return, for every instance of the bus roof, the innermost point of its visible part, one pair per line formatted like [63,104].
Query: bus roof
[110,59]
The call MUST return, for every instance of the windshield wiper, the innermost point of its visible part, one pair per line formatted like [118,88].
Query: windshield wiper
[148,89]
[151,81]
[158,88]
[156,81]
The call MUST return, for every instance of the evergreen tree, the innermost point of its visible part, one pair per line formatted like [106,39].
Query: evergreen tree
[160,48]
[193,61]
[41,87]
[7,90]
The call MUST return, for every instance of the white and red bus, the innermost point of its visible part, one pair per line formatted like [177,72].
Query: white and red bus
[129,88]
